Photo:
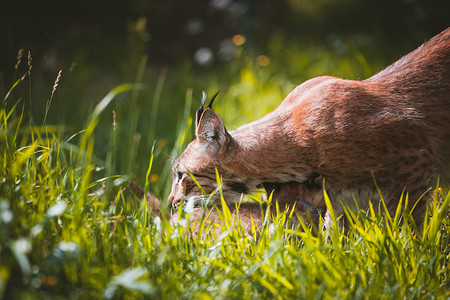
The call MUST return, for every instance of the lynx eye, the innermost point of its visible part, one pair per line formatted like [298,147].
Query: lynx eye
[180,175]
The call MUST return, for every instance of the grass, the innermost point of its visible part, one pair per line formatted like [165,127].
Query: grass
[70,228]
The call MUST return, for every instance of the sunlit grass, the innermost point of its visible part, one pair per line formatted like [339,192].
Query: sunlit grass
[70,228]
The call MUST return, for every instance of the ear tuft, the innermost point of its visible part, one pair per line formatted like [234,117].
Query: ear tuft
[211,131]
[212,99]
[199,111]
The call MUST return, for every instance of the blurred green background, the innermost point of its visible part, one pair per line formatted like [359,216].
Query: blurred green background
[257,51]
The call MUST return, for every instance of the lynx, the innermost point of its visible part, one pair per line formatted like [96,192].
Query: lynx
[390,131]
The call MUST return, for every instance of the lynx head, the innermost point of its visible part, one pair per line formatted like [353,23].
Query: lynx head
[210,150]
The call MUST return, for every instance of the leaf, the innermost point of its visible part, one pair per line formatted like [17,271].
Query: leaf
[23,154]
[131,279]
[56,210]
[110,96]
[20,248]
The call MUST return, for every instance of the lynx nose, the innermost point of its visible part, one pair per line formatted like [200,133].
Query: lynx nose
[175,205]
[175,202]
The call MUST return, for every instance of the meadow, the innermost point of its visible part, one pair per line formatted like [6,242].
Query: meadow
[71,229]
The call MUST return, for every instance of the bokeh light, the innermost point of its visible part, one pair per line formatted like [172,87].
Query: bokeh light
[238,40]
[263,60]
[204,56]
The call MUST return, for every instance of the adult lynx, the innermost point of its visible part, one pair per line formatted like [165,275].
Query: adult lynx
[393,127]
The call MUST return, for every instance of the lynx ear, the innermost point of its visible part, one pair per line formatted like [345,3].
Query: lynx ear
[211,131]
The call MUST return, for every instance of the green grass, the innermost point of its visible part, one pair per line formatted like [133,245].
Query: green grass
[70,228]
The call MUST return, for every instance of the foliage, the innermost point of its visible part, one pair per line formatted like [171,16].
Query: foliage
[69,227]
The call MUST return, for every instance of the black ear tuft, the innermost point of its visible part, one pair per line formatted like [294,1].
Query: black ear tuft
[199,112]
[212,99]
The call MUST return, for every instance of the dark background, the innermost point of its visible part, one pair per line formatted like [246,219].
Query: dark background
[99,28]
